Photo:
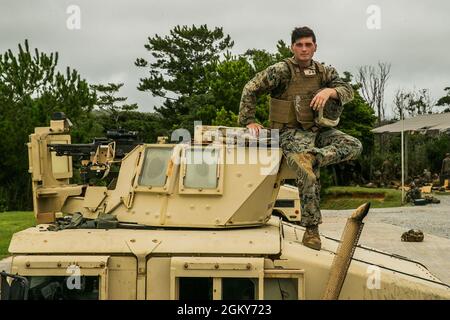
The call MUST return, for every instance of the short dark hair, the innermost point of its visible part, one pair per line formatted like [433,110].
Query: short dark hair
[302,32]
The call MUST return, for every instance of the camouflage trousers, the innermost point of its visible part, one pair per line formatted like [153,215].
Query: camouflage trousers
[329,146]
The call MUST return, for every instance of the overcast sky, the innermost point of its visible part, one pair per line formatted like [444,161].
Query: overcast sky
[414,36]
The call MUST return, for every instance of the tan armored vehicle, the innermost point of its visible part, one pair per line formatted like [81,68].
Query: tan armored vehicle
[188,221]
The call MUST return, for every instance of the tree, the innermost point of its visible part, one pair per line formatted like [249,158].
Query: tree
[373,82]
[147,124]
[445,100]
[225,118]
[420,102]
[413,103]
[400,102]
[181,64]
[358,117]
[358,120]
[232,75]
[108,102]
[198,77]
[261,59]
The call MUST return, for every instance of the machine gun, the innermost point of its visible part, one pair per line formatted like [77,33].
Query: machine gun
[124,141]
[97,157]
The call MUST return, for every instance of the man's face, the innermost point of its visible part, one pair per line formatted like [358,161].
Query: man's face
[303,49]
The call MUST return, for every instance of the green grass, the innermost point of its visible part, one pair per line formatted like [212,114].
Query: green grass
[10,223]
[339,198]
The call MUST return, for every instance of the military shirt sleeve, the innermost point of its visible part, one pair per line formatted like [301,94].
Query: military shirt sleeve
[344,90]
[266,81]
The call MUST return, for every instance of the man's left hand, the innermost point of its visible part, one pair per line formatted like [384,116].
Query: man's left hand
[319,100]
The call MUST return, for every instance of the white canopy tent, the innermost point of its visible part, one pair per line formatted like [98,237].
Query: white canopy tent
[439,122]
[426,122]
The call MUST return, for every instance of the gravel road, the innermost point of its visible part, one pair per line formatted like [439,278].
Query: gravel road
[432,218]
[383,229]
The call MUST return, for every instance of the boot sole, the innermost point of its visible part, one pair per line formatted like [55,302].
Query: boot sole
[313,246]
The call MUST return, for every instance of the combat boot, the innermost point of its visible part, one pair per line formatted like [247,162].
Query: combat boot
[305,162]
[311,238]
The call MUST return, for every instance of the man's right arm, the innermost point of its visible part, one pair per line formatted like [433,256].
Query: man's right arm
[264,82]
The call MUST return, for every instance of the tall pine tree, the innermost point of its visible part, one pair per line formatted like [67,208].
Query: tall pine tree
[179,67]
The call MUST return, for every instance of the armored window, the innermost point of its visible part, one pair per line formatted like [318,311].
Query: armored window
[195,288]
[223,288]
[239,288]
[202,170]
[199,172]
[63,288]
[154,168]
[281,289]
[216,278]
[284,284]
[283,203]
[64,277]
[233,278]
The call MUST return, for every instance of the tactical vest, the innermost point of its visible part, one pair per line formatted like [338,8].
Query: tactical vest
[292,108]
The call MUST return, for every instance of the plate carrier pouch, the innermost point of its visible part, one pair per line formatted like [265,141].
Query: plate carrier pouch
[292,108]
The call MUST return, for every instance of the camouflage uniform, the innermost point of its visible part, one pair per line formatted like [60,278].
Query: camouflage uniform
[275,80]
[329,145]
[387,172]
[445,169]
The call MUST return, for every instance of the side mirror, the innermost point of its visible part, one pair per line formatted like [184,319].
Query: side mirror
[17,289]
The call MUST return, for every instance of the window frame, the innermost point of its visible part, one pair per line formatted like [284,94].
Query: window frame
[216,268]
[289,274]
[46,266]
[219,268]
[182,189]
[173,162]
